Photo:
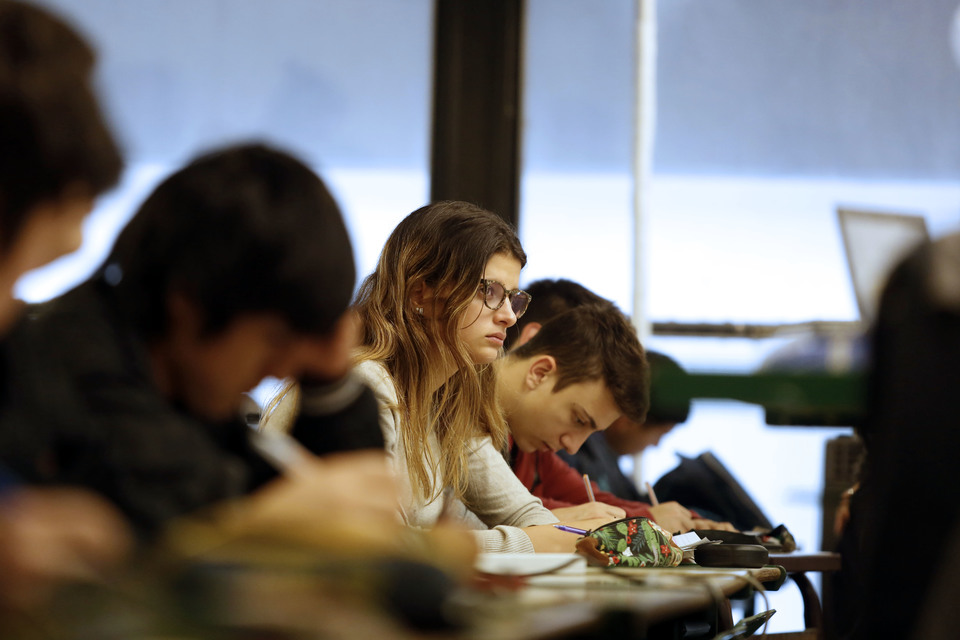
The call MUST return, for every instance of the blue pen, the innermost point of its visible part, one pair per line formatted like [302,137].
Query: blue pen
[564,527]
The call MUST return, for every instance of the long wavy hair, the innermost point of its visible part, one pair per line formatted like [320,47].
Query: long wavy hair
[446,246]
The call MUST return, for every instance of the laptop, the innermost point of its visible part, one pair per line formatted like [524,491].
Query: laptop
[874,243]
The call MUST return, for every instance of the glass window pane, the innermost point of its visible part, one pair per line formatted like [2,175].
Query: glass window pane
[345,85]
[576,186]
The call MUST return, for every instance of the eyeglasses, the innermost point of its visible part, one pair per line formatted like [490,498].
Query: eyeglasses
[494,293]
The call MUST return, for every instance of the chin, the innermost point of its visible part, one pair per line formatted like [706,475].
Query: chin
[486,356]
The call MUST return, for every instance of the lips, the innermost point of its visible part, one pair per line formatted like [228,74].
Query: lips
[497,337]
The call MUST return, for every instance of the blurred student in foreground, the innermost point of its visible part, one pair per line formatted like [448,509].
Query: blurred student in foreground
[236,268]
[56,157]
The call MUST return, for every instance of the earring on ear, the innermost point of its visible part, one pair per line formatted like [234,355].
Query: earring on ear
[420,311]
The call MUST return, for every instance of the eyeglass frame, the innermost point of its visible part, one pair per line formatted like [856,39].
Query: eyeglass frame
[507,293]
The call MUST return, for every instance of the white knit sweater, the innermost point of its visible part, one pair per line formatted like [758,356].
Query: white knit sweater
[494,493]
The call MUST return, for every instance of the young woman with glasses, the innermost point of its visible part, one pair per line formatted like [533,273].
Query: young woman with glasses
[433,317]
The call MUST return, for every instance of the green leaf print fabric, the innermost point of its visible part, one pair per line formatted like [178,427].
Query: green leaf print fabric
[631,542]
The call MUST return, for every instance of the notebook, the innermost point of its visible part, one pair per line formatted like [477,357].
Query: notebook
[874,243]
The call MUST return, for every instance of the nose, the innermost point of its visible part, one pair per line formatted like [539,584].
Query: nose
[505,315]
[571,442]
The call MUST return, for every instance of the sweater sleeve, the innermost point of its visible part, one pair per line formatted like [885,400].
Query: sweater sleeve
[564,486]
[375,376]
[499,499]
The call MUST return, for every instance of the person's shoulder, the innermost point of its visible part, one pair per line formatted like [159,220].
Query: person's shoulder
[75,326]
[480,442]
[374,374]
[72,340]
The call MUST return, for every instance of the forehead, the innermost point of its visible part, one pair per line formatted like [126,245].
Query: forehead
[503,268]
[592,396]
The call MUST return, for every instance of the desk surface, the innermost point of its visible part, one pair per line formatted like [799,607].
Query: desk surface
[551,603]
[229,600]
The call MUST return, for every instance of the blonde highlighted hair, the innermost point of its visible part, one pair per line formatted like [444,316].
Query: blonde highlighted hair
[445,246]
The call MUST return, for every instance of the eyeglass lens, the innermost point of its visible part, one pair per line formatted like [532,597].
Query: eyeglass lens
[495,293]
[519,302]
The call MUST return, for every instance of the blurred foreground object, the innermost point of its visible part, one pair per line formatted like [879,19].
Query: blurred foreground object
[54,535]
[241,570]
[911,439]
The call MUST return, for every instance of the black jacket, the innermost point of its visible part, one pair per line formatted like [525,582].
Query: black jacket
[79,407]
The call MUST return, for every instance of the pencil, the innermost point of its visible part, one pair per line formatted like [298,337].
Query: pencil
[586,483]
[653,495]
[564,527]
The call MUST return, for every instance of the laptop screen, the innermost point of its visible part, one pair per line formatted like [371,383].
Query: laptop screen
[875,243]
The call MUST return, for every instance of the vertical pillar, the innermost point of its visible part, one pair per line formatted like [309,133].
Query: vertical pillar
[476,104]
[644,127]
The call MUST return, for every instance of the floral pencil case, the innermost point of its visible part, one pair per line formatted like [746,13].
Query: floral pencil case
[630,542]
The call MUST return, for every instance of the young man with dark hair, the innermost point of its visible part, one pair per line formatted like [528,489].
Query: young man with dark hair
[238,267]
[537,420]
[590,354]
[573,378]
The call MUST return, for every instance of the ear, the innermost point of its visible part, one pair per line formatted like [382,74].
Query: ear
[422,296]
[540,368]
[529,330]
[417,293]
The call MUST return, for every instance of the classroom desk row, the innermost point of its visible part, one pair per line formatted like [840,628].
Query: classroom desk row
[629,603]
[332,600]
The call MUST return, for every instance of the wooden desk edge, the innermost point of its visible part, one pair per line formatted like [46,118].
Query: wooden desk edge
[822,561]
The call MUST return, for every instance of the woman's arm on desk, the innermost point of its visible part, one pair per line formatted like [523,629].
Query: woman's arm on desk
[548,539]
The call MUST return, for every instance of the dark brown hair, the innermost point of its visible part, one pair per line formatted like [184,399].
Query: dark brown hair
[243,229]
[596,341]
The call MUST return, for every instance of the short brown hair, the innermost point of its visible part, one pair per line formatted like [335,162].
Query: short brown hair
[596,341]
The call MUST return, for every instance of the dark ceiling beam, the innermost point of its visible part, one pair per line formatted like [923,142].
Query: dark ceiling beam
[476,104]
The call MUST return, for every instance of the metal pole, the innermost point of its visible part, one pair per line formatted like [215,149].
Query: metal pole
[644,128]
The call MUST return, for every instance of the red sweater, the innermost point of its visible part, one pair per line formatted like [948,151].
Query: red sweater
[548,477]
